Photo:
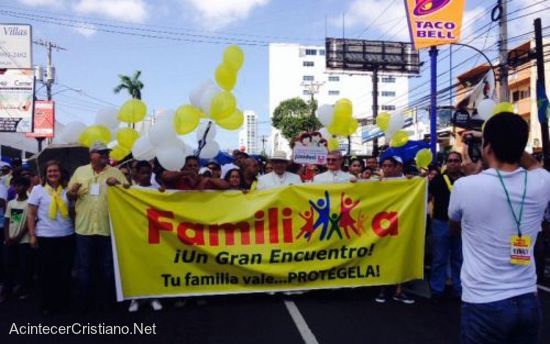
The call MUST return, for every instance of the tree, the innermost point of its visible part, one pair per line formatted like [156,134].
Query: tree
[133,85]
[294,116]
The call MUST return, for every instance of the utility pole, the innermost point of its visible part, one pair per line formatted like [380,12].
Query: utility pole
[503,50]
[313,89]
[375,108]
[541,84]
[264,140]
[50,75]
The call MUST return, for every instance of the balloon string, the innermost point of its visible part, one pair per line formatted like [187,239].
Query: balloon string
[202,142]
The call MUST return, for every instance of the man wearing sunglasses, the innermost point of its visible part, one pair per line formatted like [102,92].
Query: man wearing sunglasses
[334,173]
[445,247]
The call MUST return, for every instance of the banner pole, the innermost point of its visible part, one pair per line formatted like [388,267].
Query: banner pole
[433,101]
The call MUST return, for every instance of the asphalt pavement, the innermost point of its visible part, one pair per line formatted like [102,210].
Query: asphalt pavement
[325,316]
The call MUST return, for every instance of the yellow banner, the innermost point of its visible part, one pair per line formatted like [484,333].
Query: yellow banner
[297,237]
[434,22]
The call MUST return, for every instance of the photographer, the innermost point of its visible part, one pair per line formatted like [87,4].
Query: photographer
[499,213]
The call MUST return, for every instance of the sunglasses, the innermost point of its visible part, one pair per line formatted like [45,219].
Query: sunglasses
[454,160]
[331,159]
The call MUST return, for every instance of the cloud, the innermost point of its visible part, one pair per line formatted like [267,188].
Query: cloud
[134,11]
[36,3]
[86,30]
[219,13]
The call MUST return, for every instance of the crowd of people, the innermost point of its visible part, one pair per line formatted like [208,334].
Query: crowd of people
[57,227]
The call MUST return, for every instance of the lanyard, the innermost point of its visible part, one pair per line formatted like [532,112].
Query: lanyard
[448,182]
[516,219]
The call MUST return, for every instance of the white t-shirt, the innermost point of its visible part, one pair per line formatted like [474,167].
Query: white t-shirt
[16,214]
[46,227]
[334,177]
[273,180]
[479,203]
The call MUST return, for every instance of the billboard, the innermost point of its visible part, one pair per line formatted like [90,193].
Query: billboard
[367,56]
[434,22]
[15,46]
[16,100]
[44,119]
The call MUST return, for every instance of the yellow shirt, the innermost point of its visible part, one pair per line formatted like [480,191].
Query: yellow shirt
[92,215]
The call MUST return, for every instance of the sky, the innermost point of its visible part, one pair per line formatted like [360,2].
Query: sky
[177,44]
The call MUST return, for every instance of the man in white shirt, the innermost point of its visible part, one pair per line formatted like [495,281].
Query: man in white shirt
[279,176]
[334,173]
[499,212]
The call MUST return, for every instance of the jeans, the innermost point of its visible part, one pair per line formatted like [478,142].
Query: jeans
[446,247]
[514,320]
[55,262]
[94,267]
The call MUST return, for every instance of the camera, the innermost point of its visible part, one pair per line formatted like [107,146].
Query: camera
[462,119]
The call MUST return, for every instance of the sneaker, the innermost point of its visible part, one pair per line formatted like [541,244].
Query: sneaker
[402,297]
[381,298]
[134,306]
[156,305]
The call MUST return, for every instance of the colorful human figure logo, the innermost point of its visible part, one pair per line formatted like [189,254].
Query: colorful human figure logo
[346,220]
[322,207]
[307,228]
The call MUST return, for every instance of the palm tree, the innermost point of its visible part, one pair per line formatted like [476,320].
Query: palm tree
[133,85]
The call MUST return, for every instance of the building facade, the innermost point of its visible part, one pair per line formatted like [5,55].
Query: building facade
[298,70]
[248,135]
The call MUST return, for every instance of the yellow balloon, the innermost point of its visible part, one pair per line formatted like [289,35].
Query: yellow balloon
[383,121]
[222,106]
[226,77]
[352,127]
[186,119]
[119,153]
[333,144]
[233,57]
[399,139]
[503,107]
[93,134]
[233,122]
[339,127]
[423,158]
[126,137]
[343,107]
[132,111]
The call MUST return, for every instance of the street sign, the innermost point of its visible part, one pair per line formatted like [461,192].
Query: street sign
[44,119]
[16,100]
[15,46]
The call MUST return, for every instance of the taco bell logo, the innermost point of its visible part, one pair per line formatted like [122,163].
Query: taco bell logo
[424,7]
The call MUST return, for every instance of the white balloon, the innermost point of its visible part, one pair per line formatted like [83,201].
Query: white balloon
[171,158]
[58,140]
[485,108]
[325,114]
[206,99]
[163,134]
[196,94]
[107,117]
[201,129]
[324,133]
[165,115]
[143,149]
[210,151]
[397,121]
[72,131]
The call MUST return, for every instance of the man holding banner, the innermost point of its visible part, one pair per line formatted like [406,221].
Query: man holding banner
[500,212]
[280,176]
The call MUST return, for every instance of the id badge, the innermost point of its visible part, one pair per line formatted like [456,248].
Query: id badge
[94,189]
[519,250]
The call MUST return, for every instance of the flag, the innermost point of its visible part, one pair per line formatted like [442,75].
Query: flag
[542,102]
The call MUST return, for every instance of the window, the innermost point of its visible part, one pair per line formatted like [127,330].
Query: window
[305,92]
[524,94]
[334,93]
[388,107]
[333,78]
[388,80]
[308,64]
[308,78]
[388,94]
[322,52]
[515,96]
[311,52]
